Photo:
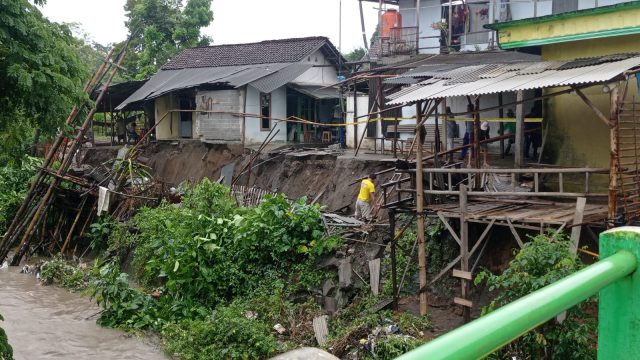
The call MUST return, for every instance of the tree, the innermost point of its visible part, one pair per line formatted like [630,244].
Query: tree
[160,29]
[41,75]
[6,352]
[543,261]
[355,55]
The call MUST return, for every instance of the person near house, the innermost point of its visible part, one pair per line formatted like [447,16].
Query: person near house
[365,198]
[484,135]
[468,133]
[509,129]
[133,133]
[121,131]
[533,137]
[452,131]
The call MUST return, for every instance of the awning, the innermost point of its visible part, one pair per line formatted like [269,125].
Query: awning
[265,77]
[318,92]
[499,78]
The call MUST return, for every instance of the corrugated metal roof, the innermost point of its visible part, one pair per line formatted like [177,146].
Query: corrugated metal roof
[279,78]
[510,81]
[166,81]
[318,92]
[401,80]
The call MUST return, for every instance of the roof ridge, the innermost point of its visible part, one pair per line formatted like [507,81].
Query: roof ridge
[263,42]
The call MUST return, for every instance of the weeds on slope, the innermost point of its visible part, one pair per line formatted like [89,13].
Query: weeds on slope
[214,277]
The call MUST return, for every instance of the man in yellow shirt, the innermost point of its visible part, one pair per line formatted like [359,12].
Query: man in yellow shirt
[365,197]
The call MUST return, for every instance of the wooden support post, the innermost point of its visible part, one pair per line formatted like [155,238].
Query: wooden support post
[519,145]
[515,233]
[355,115]
[394,275]
[613,157]
[73,226]
[464,250]
[576,229]
[501,115]
[476,136]
[422,258]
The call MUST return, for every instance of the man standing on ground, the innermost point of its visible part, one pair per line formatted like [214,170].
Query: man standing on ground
[365,198]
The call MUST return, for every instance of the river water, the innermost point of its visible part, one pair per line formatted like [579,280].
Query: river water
[46,322]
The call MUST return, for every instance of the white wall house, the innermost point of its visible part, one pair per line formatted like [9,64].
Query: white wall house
[241,93]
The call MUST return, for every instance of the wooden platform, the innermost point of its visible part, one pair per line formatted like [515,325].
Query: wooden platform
[534,212]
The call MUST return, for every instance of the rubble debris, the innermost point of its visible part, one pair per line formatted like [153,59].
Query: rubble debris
[320,329]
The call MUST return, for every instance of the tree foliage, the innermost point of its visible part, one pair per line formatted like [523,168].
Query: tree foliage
[41,74]
[6,352]
[355,55]
[539,263]
[159,29]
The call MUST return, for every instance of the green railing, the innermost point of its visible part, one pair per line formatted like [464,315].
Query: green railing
[618,316]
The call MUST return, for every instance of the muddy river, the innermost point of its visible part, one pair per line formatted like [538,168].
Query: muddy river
[45,322]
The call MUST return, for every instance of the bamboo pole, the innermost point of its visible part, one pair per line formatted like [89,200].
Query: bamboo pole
[73,225]
[422,256]
[63,168]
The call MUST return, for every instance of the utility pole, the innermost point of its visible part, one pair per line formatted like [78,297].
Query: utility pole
[422,255]
[340,27]
[364,33]
[417,27]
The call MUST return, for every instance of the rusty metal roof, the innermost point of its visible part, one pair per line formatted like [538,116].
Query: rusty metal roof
[516,77]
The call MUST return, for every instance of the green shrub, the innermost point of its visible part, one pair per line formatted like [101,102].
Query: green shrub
[6,352]
[123,305]
[227,334]
[392,346]
[59,271]
[539,263]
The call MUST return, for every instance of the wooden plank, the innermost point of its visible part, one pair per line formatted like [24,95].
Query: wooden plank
[481,238]
[515,233]
[446,269]
[451,231]
[576,230]
[374,276]
[321,329]
[463,302]
[462,274]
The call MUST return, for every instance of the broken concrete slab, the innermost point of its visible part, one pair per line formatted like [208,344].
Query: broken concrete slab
[306,354]
[344,272]
[374,276]
[321,329]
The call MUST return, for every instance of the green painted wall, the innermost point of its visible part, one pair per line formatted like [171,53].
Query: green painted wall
[577,136]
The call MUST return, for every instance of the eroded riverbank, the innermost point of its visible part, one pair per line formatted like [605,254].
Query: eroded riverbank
[46,322]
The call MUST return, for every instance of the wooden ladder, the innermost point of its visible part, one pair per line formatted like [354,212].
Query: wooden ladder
[629,158]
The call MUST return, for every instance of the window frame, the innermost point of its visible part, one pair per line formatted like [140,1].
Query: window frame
[264,96]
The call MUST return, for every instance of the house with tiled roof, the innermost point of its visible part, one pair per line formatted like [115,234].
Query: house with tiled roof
[240,93]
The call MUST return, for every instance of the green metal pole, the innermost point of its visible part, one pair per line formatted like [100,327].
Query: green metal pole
[619,304]
[489,333]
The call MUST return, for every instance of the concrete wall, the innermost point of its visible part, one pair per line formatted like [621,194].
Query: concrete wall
[577,136]
[430,12]
[326,75]
[219,128]
[169,127]
[253,133]
[363,108]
